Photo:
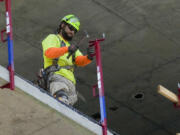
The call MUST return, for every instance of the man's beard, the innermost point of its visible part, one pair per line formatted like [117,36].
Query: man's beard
[65,35]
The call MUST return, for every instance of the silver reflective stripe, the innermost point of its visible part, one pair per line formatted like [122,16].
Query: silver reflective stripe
[68,67]
[74,20]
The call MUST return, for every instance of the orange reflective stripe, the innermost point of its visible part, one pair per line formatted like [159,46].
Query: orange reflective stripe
[55,52]
[82,60]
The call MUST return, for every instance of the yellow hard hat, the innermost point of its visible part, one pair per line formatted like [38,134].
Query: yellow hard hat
[72,20]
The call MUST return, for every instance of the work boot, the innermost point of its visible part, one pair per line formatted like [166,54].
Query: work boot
[61,96]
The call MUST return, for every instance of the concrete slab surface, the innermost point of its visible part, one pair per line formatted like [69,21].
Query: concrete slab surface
[141,51]
[21,114]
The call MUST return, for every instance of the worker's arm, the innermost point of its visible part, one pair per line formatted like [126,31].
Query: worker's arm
[55,52]
[51,47]
[82,60]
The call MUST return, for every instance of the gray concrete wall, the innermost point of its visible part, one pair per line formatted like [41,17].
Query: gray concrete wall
[141,51]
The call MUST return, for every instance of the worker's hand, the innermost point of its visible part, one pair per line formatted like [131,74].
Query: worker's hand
[72,49]
[90,52]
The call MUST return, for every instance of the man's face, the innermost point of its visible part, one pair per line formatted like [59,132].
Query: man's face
[68,31]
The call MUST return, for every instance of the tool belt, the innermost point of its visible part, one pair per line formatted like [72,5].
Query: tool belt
[44,75]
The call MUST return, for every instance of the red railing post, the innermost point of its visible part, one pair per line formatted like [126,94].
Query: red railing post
[100,83]
[10,45]
[2,37]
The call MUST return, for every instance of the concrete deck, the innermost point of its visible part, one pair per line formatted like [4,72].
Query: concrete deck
[21,114]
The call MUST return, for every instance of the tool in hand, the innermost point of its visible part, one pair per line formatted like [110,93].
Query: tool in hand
[80,42]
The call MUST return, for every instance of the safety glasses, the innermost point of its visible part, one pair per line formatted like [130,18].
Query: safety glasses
[71,28]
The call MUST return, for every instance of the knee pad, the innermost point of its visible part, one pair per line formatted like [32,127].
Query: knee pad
[62,96]
[61,93]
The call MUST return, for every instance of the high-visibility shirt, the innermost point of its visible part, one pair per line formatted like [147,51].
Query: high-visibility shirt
[56,41]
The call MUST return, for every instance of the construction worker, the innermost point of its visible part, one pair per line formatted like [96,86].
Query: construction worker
[56,48]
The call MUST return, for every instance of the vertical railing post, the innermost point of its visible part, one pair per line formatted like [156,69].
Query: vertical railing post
[100,84]
[10,45]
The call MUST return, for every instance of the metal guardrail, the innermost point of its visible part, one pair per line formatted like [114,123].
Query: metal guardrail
[100,83]
[9,39]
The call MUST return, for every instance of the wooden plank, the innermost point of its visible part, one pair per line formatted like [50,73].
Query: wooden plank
[168,94]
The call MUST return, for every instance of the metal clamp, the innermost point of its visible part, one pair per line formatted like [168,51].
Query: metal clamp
[97,40]
[2,37]
[177,105]
[94,91]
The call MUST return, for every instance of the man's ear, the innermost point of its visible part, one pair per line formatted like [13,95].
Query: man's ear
[62,25]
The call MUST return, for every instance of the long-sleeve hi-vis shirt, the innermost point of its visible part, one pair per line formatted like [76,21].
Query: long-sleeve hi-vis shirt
[54,46]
